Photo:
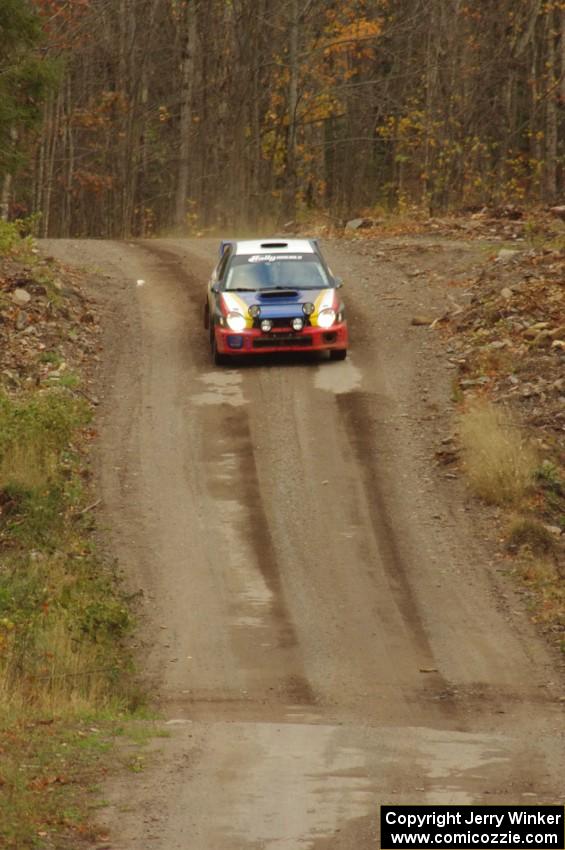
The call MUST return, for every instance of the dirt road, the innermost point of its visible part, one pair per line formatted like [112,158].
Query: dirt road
[325,632]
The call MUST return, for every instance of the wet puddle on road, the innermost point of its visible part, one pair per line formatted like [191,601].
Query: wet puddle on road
[226,387]
[295,786]
[220,388]
[444,762]
[283,786]
[338,378]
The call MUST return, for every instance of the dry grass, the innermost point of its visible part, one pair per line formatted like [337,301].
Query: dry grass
[29,466]
[61,676]
[531,534]
[499,460]
[548,594]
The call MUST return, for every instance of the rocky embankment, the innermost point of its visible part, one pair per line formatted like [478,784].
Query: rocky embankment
[48,326]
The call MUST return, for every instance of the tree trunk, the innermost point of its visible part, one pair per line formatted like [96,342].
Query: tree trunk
[552,93]
[6,193]
[186,113]
[50,163]
[289,205]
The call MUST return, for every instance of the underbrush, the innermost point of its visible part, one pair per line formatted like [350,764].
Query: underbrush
[51,766]
[15,238]
[504,470]
[48,773]
[544,583]
[62,615]
[63,622]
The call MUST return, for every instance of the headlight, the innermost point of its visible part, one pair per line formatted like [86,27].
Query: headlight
[266,326]
[254,311]
[308,308]
[326,318]
[297,324]
[236,322]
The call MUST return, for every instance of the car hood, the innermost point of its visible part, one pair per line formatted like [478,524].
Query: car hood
[284,303]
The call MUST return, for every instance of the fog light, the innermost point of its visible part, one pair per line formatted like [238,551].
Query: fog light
[266,326]
[297,324]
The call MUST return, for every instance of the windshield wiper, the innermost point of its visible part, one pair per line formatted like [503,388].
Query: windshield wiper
[241,289]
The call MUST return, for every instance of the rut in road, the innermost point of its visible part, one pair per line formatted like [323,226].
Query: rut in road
[299,585]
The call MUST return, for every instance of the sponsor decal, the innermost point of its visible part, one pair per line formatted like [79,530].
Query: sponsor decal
[273,258]
[231,302]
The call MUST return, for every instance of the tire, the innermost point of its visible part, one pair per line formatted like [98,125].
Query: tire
[218,359]
[338,354]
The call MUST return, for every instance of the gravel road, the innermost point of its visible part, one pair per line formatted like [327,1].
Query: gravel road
[325,629]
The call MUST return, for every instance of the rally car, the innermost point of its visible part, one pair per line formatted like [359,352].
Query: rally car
[274,295]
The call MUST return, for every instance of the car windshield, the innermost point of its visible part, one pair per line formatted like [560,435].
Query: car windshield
[276,271]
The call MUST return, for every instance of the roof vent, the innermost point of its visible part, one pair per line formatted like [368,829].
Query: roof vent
[274,244]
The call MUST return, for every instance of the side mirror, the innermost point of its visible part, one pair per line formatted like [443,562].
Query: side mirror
[338,282]
[215,287]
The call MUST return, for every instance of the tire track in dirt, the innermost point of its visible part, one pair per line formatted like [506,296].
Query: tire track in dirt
[222,426]
[356,410]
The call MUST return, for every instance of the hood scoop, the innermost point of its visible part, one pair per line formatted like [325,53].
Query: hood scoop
[279,293]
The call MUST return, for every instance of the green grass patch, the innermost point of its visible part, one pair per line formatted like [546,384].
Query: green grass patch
[35,432]
[64,618]
[52,357]
[66,677]
[62,614]
[50,769]
[16,239]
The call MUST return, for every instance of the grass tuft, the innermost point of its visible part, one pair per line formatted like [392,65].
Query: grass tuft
[500,462]
[529,533]
[34,432]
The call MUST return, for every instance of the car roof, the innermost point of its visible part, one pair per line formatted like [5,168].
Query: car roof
[274,246]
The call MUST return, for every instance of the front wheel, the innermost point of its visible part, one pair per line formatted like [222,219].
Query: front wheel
[338,354]
[218,359]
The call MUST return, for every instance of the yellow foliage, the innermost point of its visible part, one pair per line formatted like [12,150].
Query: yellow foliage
[352,35]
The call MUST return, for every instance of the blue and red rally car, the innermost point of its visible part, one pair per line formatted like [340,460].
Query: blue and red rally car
[274,295]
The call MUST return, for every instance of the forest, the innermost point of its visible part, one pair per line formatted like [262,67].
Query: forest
[132,117]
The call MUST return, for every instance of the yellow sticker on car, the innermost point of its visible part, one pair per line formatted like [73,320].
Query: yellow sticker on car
[324,301]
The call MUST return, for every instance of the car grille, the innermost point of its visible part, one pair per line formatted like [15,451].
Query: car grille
[282,341]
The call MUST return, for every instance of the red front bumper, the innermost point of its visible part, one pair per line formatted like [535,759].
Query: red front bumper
[254,341]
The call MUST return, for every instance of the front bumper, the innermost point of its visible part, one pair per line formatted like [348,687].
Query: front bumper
[254,341]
